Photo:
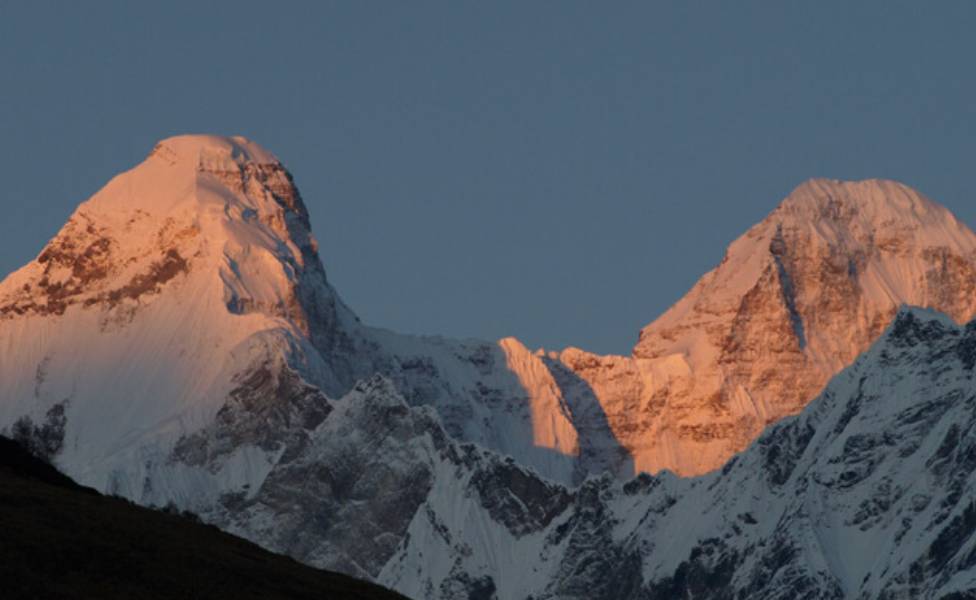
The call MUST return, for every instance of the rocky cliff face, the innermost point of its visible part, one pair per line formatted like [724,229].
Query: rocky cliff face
[179,342]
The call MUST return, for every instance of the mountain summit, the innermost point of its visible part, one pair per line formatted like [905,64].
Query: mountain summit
[794,300]
[132,319]
[223,208]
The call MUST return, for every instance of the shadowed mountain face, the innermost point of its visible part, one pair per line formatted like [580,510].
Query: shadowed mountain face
[179,342]
[62,540]
[870,492]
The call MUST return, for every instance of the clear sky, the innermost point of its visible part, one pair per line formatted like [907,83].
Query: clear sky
[558,171]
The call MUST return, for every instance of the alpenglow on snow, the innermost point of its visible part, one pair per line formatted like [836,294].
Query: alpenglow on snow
[178,342]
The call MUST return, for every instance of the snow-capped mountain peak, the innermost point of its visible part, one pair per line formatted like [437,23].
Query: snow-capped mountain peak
[162,286]
[794,300]
[212,152]
[220,210]
[877,201]
[178,341]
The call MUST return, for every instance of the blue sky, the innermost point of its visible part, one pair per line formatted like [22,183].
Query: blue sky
[558,171]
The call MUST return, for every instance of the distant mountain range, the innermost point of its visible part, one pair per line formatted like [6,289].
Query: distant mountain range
[178,343]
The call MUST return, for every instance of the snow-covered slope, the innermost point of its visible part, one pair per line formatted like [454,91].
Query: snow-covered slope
[869,493]
[178,341]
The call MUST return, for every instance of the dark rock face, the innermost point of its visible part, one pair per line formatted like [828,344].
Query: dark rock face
[462,586]
[337,494]
[272,408]
[84,252]
[594,565]
[706,573]
[166,268]
[782,451]
[76,267]
[518,499]
[45,440]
